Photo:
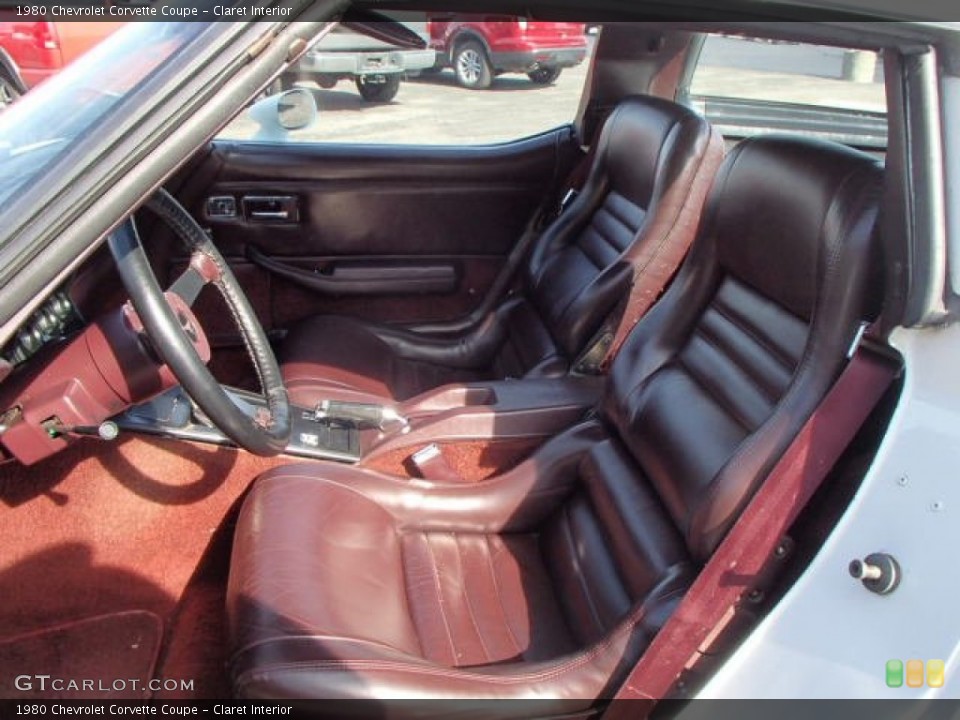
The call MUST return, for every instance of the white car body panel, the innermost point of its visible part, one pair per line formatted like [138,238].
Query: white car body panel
[829,637]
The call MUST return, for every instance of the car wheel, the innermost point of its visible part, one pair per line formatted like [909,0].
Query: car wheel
[544,75]
[472,67]
[9,90]
[379,92]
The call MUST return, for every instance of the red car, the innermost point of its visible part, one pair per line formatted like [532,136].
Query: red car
[480,47]
[33,51]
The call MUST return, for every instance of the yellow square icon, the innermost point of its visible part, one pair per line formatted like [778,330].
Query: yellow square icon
[914,673]
[935,673]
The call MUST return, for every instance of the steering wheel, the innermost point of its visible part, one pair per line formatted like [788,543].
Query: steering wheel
[175,338]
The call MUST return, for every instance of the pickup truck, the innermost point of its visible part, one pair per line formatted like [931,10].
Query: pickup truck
[375,66]
[30,52]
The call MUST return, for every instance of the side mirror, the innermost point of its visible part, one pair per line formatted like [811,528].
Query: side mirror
[296,109]
[278,114]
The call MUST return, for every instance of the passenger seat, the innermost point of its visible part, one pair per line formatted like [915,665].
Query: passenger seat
[637,213]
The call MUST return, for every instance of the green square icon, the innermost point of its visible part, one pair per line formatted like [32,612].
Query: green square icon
[894,673]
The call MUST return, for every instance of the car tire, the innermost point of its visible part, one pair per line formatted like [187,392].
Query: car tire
[9,89]
[379,92]
[472,66]
[545,75]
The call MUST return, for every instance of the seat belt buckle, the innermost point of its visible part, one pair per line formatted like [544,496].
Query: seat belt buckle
[431,465]
[857,339]
[568,199]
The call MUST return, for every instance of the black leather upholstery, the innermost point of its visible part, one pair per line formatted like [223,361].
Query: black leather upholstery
[644,171]
[548,581]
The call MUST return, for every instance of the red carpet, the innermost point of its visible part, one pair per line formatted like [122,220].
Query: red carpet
[106,528]
[115,654]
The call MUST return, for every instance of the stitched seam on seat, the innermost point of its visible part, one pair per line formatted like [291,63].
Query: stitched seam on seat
[599,228]
[437,586]
[466,598]
[568,536]
[748,371]
[320,637]
[612,204]
[498,593]
[407,587]
[730,313]
[316,383]
[607,210]
[721,402]
[591,254]
[721,342]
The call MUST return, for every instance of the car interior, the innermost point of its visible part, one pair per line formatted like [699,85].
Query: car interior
[361,422]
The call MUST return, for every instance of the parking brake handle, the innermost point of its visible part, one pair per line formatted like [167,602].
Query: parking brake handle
[369,414]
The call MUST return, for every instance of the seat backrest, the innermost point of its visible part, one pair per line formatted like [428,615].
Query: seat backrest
[717,379]
[642,180]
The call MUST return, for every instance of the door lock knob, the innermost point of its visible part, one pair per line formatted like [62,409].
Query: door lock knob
[879,573]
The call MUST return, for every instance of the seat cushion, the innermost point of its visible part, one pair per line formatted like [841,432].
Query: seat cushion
[330,357]
[492,594]
[339,567]
[348,584]
[286,566]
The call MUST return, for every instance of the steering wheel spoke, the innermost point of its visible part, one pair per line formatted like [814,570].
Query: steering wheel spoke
[201,271]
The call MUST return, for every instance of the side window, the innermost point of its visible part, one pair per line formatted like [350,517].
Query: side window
[747,86]
[481,80]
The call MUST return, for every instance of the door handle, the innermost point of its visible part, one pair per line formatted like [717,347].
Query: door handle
[271,208]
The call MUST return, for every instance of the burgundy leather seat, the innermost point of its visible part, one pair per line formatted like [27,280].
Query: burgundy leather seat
[649,178]
[548,581]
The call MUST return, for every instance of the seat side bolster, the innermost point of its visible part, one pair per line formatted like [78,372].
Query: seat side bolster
[473,350]
[347,669]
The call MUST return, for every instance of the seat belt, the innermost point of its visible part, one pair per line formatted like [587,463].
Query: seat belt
[654,273]
[544,215]
[740,560]
[657,264]
[581,171]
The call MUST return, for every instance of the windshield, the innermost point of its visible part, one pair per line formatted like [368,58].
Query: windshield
[35,131]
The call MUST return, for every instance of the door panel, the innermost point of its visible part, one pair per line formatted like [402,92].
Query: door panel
[393,234]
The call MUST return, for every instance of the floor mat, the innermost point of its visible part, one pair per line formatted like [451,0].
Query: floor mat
[110,657]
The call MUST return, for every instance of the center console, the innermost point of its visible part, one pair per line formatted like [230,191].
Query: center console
[467,431]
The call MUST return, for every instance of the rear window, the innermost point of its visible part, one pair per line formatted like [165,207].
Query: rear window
[747,86]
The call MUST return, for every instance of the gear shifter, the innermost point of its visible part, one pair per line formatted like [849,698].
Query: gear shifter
[363,414]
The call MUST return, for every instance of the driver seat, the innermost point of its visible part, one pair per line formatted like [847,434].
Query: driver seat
[545,584]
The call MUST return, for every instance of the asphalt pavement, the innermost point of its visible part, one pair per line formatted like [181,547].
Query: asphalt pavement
[434,110]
